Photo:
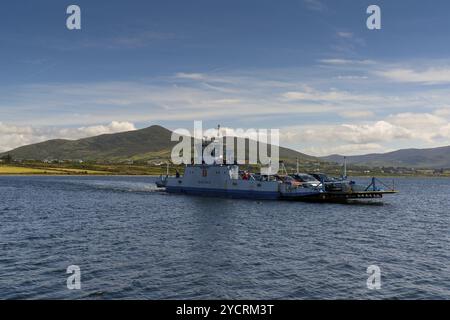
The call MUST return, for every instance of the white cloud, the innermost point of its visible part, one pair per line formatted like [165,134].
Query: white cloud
[352,77]
[416,120]
[298,95]
[113,127]
[331,136]
[333,95]
[75,104]
[225,101]
[357,114]
[343,34]
[191,76]
[443,112]
[367,133]
[315,5]
[423,126]
[15,136]
[344,62]
[11,129]
[425,129]
[191,96]
[140,39]
[346,149]
[429,76]
[444,131]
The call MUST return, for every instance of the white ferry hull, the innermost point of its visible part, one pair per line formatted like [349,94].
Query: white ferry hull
[224,181]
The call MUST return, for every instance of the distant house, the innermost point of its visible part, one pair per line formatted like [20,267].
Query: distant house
[51,161]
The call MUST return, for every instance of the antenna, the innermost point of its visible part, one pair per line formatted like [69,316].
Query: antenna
[283,167]
[345,168]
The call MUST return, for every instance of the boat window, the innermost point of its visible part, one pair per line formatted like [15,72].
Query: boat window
[305,177]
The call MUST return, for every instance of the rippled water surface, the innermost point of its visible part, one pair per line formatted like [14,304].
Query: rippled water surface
[133,241]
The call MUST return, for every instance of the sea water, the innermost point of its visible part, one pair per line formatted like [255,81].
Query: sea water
[130,240]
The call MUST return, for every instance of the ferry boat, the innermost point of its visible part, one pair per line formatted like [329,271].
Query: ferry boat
[221,180]
[228,181]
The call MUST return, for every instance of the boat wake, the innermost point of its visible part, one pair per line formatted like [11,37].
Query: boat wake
[120,186]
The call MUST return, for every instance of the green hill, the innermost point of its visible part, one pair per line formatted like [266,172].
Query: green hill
[416,158]
[144,144]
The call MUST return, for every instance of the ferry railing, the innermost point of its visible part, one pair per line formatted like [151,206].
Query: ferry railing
[374,186]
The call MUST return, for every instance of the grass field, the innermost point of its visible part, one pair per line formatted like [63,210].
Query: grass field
[7,169]
[20,170]
[83,169]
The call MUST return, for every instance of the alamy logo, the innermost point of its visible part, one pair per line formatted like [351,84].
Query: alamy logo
[374,20]
[74,280]
[374,279]
[73,22]
[258,141]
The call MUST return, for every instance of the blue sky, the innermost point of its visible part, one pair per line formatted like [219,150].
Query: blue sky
[308,67]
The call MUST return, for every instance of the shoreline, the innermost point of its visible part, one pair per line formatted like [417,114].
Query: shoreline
[145,171]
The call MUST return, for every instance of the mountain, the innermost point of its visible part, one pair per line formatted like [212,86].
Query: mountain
[154,143]
[118,146]
[433,158]
[143,144]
